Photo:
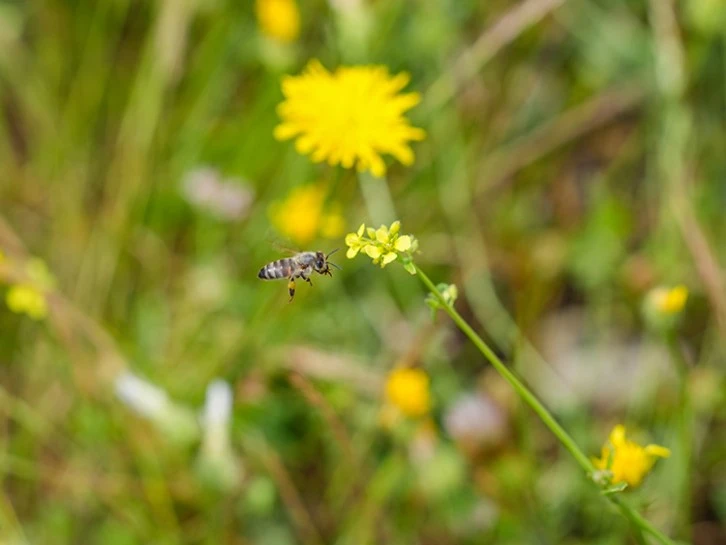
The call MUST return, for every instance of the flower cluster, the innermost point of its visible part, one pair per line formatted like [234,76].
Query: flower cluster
[625,461]
[407,390]
[304,215]
[383,245]
[349,117]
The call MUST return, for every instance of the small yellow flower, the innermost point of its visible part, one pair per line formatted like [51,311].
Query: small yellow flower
[303,215]
[354,242]
[24,298]
[669,301]
[383,245]
[349,117]
[408,390]
[279,19]
[627,461]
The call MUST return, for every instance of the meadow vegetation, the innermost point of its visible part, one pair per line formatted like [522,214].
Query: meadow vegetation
[526,342]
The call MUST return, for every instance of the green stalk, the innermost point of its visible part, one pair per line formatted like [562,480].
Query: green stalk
[528,397]
[636,519]
[685,434]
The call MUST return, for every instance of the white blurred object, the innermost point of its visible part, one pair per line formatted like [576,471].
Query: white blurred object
[216,415]
[228,198]
[217,462]
[476,420]
[154,404]
[607,370]
[141,396]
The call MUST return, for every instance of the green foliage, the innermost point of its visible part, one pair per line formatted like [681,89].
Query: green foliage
[573,162]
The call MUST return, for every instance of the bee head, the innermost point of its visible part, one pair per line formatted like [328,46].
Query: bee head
[322,265]
[321,262]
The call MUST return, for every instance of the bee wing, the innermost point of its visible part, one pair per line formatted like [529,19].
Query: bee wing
[283,246]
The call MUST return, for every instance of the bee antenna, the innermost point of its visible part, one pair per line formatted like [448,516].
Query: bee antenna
[336,266]
[331,253]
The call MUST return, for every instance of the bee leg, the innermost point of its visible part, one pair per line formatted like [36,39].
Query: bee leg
[291,289]
[308,281]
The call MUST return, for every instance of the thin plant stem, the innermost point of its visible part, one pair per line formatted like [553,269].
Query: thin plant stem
[685,434]
[530,399]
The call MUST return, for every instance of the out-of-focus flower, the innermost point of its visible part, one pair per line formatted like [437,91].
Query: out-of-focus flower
[217,462]
[407,390]
[27,299]
[278,19]
[349,117]
[669,301]
[663,306]
[383,245]
[626,461]
[304,215]
[227,199]
[608,371]
[153,403]
[475,421]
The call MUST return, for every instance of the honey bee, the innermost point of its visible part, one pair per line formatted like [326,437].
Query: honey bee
[301,265]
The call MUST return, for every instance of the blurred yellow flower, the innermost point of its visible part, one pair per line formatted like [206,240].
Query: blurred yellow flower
[669,300]
[24,298]
[627,461]
[408,390]
[278,19]
[349,117]
[303,215]
[383,245]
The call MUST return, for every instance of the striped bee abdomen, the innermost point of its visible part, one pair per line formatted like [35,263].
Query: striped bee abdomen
[282,268]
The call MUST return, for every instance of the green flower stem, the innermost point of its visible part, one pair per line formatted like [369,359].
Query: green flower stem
[568,442]
[520,388]
[685,434]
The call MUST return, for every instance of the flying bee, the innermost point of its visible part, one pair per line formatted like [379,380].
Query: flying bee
[301,265]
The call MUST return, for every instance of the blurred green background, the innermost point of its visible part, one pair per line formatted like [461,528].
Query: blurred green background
[574,161]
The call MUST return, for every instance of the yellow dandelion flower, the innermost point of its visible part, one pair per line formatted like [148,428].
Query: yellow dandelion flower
[279,19]
[670,301]
[627,461]
[408,390]
[349,117]
[27,299]
[303,215]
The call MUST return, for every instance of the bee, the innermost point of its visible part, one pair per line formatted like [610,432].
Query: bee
[301,265]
